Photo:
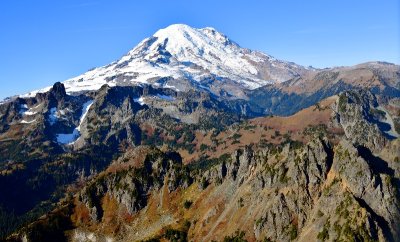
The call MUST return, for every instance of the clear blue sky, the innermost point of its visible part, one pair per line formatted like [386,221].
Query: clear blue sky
[42,42]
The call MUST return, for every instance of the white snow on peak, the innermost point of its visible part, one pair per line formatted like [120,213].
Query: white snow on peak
[27,122]
[181,52]
[85,110]
[23,108]
[29,113]
[24,111]
[72,137]
[140,100]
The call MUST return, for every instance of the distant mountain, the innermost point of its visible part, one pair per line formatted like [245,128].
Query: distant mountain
[288,97]
[181,57]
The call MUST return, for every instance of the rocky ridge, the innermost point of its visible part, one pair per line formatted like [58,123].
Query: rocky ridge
[321,190]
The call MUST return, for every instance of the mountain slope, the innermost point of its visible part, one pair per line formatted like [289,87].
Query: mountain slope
[290,96]
[328,188]
[183,58]
[187,57]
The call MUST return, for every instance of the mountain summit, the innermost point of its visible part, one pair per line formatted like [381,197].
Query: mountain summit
[181,57]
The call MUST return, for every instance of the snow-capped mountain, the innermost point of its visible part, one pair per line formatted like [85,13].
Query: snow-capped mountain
[181,57]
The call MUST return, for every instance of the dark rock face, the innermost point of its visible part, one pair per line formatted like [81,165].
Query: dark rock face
[58,90]
[293,191]
[340,190]
[371,185]
[130,187]
[354,113]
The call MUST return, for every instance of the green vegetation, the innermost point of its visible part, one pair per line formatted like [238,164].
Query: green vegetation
[397,126]
[174,235]
[51,227]
[319,130]
[283,178]
[341,210]
[249,127]
[187,204]
[264,143]
[342,102]
[377,113]
[292,231]
[240,202]
[360,233]
[204,183]
[324,234]
[236,136]
[235,142]
[237,237]
[259,221]
[205,163]
[8,221]
[203,147]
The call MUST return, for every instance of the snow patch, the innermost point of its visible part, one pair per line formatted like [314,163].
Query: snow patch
[23,108]
[140,100]
[27,122]
[171,87]
[208,51]
[74,136]
[28,112]
[85,109]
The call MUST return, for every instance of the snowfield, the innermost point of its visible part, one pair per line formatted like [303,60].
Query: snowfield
[74,136]
[181,52]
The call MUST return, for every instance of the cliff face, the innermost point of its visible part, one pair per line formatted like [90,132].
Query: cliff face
[340,187]
[316,191]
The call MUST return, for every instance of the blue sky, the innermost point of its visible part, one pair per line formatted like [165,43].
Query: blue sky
[42,42]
